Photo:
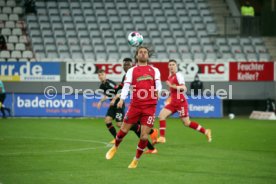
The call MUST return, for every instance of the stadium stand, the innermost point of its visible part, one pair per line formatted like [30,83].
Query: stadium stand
[96,30]
[13,29]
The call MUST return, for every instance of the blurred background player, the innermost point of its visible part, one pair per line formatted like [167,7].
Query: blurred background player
[146,84]
[109,91]
[270,105]
[196,86]
[178,103]
[2,99]
[136,128]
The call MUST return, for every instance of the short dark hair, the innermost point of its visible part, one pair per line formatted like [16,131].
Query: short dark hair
[101,71]
[172,60]
[127,60]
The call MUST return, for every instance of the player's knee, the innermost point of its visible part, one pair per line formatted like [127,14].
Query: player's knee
[187,123]
[162,117]
[144,137]
[107,120]
[118,124]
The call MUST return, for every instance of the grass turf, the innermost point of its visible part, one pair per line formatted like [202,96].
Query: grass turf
[64,151]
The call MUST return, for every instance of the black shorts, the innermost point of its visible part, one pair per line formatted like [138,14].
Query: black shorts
[115,113]
[2,97]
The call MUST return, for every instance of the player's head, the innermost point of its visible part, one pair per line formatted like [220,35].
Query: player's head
[172,66]
[101,75]
[196,77]
[247,3]
[142,54]
[127,64]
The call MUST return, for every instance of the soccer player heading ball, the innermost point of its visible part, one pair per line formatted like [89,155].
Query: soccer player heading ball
[145,81]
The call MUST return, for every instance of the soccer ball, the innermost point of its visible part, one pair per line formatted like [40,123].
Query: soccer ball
[231,116]
[135,39]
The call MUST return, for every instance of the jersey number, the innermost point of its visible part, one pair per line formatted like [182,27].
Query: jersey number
[150,120]
[119,116]
[181,112]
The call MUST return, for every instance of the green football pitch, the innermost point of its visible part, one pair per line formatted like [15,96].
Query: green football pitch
[65,151]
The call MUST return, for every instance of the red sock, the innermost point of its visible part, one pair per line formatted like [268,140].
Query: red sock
[196,126]
[119,137]
[162,127]
[140,148]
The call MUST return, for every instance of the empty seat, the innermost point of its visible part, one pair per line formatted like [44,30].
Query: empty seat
[260,49]
[27,54]
[10,46]
[248,49]
[11,3]
[18,10]
[13,39]
[264,57]
[7,10]
[23,39]
[252,57]
[6,31]
[16,54]
[4,17]
[17,31]
[2,3]
[236,49]
[5,54]
[13,17]
[20,46]
[240,57]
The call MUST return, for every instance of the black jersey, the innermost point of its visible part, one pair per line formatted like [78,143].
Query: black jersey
[109,88]
[121,85]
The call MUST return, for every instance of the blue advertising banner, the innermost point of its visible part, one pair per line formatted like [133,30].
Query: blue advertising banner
[197,107]
[8,102]
[39,105]
[206,108]
[30,71]
[91,109]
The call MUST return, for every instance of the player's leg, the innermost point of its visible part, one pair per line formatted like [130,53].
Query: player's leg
[110,115]
[109,125]
[196,126]
[119,138]
[2,98]
[141,145]
[146,120]
[153,135]
[136,128]
[130,119]
[183,111]
[165,112]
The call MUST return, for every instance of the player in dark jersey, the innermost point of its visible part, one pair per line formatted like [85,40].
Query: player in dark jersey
[108,88]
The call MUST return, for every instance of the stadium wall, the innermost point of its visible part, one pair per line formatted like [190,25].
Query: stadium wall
[241,90]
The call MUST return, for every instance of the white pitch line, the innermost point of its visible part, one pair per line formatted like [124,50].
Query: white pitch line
[58,151]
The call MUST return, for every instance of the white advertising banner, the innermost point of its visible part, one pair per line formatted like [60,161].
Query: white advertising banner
[205,71]
[87,72]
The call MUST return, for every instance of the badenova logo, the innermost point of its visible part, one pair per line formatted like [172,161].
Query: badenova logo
[44,103]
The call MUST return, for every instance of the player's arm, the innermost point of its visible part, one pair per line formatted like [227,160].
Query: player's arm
[126,88]
[115,98]
[104,98]
[158,83]
[181,82]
